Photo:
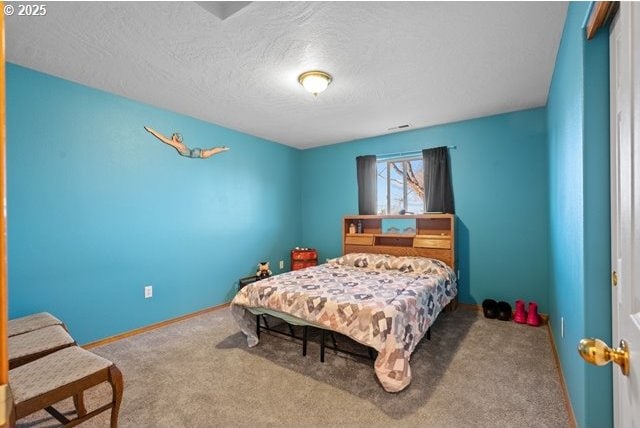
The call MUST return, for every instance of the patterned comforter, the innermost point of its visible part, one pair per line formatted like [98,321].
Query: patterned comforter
[384,302]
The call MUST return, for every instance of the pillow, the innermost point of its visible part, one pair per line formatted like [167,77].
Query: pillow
[408,264]
[366,260]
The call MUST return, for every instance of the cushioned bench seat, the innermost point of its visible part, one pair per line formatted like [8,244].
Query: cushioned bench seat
[26,347]
[31,322]
[60,375]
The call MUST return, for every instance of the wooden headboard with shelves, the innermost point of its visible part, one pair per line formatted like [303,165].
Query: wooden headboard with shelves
[434,237]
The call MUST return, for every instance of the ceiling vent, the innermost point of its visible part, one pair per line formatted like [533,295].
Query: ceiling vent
[399,127]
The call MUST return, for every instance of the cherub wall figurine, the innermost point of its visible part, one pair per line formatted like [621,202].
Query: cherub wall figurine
[176,142]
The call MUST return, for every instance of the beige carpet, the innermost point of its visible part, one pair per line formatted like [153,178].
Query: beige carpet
[474,372]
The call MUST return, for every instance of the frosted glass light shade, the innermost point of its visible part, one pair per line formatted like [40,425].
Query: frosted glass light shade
[315,81]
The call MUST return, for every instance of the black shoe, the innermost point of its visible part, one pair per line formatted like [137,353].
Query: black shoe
[504,311]
[489,307]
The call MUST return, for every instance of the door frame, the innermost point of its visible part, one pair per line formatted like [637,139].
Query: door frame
[6,400]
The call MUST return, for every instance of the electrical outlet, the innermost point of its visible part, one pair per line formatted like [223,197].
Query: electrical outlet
[148,291]
[281,264]
[561,326]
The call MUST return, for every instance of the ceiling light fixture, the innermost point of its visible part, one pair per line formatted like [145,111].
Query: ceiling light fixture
[315,81]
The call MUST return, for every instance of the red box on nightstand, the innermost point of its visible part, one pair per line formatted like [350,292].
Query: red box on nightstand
[303,257]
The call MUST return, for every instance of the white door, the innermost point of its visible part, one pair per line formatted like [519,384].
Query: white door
[625,207]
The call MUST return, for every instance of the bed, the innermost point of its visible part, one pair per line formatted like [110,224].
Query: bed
[385,302]
[385,292]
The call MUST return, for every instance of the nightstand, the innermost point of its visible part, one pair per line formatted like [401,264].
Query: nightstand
[303,257]
[242,282]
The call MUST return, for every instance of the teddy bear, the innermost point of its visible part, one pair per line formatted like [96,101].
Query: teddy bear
[263,270]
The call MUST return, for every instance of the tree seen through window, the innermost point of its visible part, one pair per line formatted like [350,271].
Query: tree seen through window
[400,186]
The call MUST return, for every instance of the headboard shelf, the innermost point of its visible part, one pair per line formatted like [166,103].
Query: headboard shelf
[431,235]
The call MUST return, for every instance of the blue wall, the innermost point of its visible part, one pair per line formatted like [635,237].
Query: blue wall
[500,188]
[578,119]
[98,208]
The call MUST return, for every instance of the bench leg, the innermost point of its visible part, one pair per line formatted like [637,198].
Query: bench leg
[117,385]
[322,345]
[12,417]
[78,402]
[429,333]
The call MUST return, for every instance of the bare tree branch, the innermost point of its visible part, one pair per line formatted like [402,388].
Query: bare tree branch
[393,180]
[414,181]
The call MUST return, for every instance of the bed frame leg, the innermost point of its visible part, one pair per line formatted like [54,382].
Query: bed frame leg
[322,345]
[371,356]
[258,326]
[304,340]
[429,333]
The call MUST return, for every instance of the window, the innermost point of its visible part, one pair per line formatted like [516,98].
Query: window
[400,186]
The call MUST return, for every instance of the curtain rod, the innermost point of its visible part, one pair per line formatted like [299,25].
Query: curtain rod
[411,153]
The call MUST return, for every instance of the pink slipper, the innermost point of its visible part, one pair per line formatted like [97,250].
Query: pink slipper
[533,319]
[521,315]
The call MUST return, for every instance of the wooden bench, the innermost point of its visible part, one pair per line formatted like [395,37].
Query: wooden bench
[27,347]
[64,374]
[33,322]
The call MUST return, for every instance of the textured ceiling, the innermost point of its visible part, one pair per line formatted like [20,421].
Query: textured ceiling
[393,62]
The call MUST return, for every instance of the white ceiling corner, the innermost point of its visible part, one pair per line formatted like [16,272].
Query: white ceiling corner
[422,63]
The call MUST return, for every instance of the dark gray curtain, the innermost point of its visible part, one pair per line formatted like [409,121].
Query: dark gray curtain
[367,184]
[438,191]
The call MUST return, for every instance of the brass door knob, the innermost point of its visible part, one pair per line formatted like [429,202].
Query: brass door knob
[595,351]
